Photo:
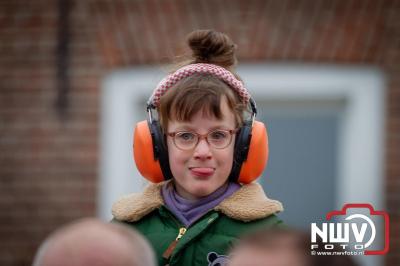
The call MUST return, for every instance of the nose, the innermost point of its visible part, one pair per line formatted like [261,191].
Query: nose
[202,150]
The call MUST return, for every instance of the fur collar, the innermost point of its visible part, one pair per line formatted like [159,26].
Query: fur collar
[247,204]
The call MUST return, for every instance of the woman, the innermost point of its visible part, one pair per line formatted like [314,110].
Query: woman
[201,143]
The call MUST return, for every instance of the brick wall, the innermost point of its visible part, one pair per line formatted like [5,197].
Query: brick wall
[48,162]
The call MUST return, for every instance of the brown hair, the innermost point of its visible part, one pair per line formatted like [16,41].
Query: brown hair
[203,92]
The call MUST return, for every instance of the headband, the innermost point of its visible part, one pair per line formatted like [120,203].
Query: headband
[201,68]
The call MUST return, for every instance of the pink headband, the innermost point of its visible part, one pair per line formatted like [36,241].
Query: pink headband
[189,70]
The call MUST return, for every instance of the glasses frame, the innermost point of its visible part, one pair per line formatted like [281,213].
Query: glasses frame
[203,136]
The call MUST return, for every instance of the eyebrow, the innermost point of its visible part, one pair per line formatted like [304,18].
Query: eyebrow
[190,128]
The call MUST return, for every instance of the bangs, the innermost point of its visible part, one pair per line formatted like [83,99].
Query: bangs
[193,101]
[198,93]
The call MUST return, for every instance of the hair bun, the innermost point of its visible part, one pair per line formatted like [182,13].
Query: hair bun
[209,46]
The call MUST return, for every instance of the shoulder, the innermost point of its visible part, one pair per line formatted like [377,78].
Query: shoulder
[233,229]
[266,222]
[134,207]
[249,203]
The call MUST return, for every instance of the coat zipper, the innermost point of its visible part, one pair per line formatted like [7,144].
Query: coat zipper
[167,253]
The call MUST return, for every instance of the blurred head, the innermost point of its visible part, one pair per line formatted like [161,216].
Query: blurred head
[333,260]
[282,247]
[202,103]
[272,247]
[92,242]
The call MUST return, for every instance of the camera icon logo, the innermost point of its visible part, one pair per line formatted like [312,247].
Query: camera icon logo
[350,234]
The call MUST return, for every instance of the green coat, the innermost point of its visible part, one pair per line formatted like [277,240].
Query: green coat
[206,242]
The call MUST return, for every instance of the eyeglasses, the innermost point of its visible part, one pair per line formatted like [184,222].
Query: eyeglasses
[187,140]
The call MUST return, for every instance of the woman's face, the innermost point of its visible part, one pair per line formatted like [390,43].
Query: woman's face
[202,170]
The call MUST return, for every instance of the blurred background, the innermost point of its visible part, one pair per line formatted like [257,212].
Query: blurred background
[74,77]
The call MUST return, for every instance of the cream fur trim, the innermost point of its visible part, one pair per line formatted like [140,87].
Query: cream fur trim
[134,206]
[247,204]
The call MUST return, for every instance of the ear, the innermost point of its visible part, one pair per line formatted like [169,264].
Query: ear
[257,156]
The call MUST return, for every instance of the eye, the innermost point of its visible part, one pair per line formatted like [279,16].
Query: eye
[185,136]
[219,135]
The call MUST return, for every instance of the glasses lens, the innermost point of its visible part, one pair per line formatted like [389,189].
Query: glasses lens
[219,138]
[185,140]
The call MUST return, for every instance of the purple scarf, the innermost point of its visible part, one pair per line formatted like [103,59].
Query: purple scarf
[188,211]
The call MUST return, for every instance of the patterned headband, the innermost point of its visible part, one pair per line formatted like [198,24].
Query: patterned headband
[202,68]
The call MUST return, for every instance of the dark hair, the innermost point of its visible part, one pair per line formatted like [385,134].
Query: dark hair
[209,46]
[203,92]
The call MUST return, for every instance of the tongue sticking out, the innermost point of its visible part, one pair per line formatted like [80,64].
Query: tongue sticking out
[203,171]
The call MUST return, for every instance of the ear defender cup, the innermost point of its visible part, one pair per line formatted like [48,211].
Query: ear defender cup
[251,153]
[150,152]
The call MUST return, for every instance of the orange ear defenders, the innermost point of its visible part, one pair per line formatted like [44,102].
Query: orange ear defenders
[250,155]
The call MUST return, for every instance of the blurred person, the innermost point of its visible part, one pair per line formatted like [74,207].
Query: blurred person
[201,148]
[90,242]
[282,247]
[331,260]
[272,247]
